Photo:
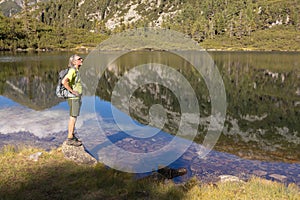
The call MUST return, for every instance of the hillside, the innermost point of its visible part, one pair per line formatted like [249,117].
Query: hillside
[221,24]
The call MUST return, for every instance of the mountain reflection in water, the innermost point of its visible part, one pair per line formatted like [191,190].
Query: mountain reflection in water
[261,132]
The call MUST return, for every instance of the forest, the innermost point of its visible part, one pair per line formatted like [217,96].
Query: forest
[214,24]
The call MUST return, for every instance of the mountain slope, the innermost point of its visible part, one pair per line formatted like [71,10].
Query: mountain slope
[207,20]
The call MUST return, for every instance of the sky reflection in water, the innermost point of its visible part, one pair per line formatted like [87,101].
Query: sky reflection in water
[17,118]
[44,123]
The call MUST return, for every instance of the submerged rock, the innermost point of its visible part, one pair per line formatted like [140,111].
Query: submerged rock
[78,154]
[278,177]
[259,173]
[165,174]
[229,178]
[171,173]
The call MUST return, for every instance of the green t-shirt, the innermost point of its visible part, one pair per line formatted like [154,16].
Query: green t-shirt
[74,80]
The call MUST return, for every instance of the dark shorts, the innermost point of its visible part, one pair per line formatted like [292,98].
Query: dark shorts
[75,105]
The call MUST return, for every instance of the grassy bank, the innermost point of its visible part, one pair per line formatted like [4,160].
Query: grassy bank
[279,38]
[53,177]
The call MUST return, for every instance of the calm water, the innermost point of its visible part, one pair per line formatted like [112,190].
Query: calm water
[261,134]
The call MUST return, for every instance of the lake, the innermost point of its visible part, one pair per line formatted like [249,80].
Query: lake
[138,118]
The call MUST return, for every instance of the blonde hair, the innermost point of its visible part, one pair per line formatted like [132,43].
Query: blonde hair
[72,59]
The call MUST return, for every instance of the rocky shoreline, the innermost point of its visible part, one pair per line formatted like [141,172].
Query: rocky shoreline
[84,49]
[213,168]
[29,139]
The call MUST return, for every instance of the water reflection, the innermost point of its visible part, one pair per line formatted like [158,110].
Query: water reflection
[262,121]
[263,104]
[31,79]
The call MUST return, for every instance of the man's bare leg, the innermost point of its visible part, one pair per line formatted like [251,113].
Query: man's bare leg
[71,126]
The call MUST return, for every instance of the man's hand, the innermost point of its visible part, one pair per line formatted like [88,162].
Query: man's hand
[75,93]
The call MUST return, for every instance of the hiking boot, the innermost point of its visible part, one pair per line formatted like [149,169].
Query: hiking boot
[73,142]
[76,138]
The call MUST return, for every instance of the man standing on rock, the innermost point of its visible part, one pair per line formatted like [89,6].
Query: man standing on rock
[72,83]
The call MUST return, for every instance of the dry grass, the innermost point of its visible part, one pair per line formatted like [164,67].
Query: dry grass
[53,177]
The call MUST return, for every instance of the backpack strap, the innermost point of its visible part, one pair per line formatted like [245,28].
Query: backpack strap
[77,76]
[77,73]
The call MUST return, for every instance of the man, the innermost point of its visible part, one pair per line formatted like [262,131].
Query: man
[72,83]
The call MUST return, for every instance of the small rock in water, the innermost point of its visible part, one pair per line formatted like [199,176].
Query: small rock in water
[170,173]
[278,177]
[165,174]
[259,172]
[230,178]
[78,154]
[35,156]
[188,156]
[196,168]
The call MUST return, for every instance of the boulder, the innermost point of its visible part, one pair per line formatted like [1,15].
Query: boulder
[78,154]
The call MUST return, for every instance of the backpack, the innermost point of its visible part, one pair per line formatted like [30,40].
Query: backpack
[61,91]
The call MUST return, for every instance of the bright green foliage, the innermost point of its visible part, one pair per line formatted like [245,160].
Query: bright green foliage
[54,24]
[207,19]
[12,33]
[16,33]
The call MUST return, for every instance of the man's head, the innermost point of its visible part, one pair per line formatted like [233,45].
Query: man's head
[75,60]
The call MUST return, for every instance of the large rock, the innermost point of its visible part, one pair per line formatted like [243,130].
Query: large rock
[78,154]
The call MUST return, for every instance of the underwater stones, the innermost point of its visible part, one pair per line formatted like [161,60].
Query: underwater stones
[278,177]
[188,156]
[259,173]
[229,178]
[196,168]
[171,173]
[165,174]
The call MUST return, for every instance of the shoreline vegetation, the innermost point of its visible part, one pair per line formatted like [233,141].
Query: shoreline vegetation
[259,25]
[213,46]
[51,176]
[86,49]
[279,39]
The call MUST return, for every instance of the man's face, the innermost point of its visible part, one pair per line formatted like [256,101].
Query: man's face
[78,61]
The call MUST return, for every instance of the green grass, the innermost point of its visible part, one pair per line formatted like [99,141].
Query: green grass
[53,177]
[277,38]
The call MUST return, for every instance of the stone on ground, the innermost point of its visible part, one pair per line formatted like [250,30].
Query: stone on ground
[78,154]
